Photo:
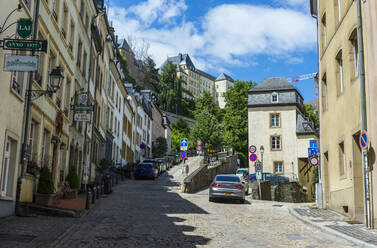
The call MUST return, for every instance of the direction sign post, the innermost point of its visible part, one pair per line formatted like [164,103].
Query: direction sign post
[82,108]
[26,45]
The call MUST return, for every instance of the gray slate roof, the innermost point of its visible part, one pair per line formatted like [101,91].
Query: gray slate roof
[124,45]
[224,76]
[304,129]
[205,74]
[180,59]
[274,83]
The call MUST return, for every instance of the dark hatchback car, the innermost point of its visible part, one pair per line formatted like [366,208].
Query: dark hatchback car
[155,164]
[274,179]
[145,170]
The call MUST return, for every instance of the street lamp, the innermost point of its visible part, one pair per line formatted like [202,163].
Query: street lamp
[55,81]
[261,149]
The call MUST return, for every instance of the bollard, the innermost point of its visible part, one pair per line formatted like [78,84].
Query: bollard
[94,195]
[98,189]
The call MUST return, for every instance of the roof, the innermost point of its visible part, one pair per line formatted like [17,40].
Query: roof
[224,76]
[181,59]
[274,83]
[304,125]
[124,45]
[204,74]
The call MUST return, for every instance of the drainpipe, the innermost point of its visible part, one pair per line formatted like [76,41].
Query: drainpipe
[363,115]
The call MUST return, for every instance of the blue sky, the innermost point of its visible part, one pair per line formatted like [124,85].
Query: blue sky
[249,40]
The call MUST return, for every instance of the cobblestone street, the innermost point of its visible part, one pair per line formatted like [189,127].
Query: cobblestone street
[147,213]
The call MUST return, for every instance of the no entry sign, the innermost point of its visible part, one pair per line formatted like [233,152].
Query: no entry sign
[253,157]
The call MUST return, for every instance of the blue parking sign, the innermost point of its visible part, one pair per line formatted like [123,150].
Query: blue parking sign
[313,152]
[184,142]
[313,143]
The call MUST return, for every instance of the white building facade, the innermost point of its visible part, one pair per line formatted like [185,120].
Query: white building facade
[222,84]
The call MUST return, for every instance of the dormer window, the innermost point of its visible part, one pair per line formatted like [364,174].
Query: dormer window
[274,97]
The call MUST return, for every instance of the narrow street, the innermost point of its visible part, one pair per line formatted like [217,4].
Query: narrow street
[147,213]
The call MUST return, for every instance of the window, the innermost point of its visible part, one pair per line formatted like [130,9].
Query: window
[339,75]
[274,97]
[278,167]
[65,21]
[18,82]
[275,143]
[84,64]
[324,93]
[323,32]
[355,51]
[28,4]
[44,148]
[342,159]
[337,11]
[79,50]
[9,166]
[55,9]
[275,120]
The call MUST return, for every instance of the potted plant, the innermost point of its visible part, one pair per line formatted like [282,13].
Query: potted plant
[73,182]
[45,194]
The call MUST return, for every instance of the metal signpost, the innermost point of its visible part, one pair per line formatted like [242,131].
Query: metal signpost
[258,175]
[364,146]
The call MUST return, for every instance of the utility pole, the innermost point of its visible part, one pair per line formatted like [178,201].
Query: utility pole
[363,114]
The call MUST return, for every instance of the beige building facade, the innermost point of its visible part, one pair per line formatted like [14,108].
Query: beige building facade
[340,108]
[277,122]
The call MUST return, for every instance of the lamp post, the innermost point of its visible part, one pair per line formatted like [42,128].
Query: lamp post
[261,149]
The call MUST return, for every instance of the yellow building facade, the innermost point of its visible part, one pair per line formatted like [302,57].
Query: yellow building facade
[340,108]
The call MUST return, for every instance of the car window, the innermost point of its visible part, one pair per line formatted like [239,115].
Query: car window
[146,165]
[227,179]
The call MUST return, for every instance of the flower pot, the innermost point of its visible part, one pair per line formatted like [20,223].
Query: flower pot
[44,199]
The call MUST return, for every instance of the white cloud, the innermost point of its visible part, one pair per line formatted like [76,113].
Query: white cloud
[228,34]
[161,10]
[295,60]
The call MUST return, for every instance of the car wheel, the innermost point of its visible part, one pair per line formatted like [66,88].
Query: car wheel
[211,199]
[242,201]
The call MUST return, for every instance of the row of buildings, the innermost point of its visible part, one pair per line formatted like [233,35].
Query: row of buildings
[197,81]
[347,105]
[123,122]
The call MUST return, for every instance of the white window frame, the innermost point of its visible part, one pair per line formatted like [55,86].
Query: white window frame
[339,10]
[6,163]
[272,97]
[355,55]
[275,142]
[280,165]
[275,120]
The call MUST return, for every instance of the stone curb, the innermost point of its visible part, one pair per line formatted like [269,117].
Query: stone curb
[331,231]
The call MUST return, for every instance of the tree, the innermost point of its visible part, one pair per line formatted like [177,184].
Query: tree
[123,66]
[235,121]
[181,125]
[73,178]
[160,147]
[151,77]
[176,137]
[311,113]
[169,97]
[207,129]
[45,184]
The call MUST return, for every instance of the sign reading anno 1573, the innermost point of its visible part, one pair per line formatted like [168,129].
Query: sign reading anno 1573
[24,27]
[20,63]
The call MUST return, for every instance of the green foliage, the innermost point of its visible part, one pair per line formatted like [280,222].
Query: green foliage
[176,137]
[151,77]
[160,147]
[73,178]
[103,165]
[315,179]
[187,106]
[243,159]
[45,184]
[182,126]
[311,113]
[235,120]
[169,97]
[207,129]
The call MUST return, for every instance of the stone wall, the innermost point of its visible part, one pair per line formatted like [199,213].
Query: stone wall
[204,175]
[289,192]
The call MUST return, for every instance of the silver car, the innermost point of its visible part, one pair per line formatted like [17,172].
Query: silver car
[227,186]
[243,173]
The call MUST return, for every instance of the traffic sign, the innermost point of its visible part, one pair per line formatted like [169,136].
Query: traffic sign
[252,149]
[312,152]
[27,45]
[82,108]
[313,143]
[314,161]
[199,143]
[184,142]
[24,27]
[183,148]
[21,63]
[258,166]
[253,157]
[183,154]
[364,140]
[258,175]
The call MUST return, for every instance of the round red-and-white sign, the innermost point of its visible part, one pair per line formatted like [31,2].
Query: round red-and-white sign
[252,149]
[313,161]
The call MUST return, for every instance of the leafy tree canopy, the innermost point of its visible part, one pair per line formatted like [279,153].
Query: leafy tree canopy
[169,97]
[312,114]
[151,77]
[160,147]
[181,125]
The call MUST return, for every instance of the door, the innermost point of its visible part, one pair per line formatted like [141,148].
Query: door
[5,173]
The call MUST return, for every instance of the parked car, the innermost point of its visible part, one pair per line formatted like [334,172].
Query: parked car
[145,170]
[267,176]
[155,164]
[243,174]
[161,162]
[227,186]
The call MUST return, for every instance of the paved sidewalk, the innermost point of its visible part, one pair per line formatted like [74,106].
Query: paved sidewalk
[336,224]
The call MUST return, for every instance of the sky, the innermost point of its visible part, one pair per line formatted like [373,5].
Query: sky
[247,39]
